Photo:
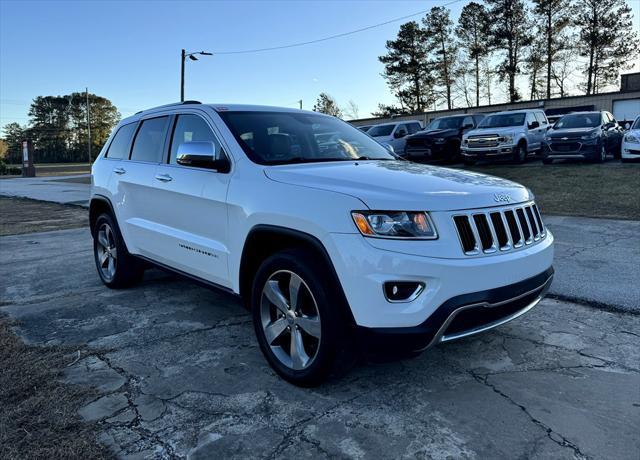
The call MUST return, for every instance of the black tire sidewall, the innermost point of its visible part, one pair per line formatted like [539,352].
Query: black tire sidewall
[128,269]
[333,322]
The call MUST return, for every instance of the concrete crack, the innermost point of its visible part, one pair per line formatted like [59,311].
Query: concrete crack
[551,434]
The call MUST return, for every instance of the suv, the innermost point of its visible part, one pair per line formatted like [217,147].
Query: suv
[585,135]
[513,134]
[441,139]
[335,245]
[394,134]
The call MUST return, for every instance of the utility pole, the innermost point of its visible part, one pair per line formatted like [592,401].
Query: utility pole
[182,57]
[88,125]
[300,101]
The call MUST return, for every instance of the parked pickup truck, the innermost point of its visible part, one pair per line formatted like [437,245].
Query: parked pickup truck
[506,135]
[441,139]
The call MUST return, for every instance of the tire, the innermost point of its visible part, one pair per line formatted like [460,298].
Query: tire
[453,153]
[547,161]
[520,154]
[316,325]
[116,267]
[469,162]
[601,156]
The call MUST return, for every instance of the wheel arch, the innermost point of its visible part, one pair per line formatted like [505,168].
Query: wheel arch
[264,240]
[99,204]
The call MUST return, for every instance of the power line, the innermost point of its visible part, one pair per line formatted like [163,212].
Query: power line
[331,37]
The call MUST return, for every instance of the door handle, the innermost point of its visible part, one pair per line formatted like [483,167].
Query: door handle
[164,177]
[119,170]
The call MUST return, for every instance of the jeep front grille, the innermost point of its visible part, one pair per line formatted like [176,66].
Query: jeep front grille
[505,229]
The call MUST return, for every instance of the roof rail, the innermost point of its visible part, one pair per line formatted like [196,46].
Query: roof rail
[170,105]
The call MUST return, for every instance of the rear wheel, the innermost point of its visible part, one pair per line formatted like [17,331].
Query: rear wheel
[116,267]
[299,319]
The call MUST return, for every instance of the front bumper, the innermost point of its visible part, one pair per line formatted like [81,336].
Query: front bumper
[364,266]
[630,150]
[488,152]
[462,316]
[428,150]
[568,150]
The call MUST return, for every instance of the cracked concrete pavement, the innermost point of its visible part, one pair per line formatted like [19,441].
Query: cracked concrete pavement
[179,374]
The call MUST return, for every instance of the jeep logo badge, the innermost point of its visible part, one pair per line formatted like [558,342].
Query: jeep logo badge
[501,197]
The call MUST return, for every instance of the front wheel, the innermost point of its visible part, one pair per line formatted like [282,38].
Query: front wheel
[601,156]
[299,319]
[520,154]
[469,162]
[116,267]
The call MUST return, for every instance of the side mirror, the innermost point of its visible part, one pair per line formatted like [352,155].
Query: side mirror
[202,154]
[400,133]
[467,126]
[534,125]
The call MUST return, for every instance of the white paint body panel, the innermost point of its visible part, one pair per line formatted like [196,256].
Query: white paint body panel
[198,222]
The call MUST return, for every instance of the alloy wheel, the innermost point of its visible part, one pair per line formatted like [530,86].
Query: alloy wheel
[106,251]
[290,320]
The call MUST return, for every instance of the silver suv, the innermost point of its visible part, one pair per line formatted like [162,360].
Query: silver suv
[513,134]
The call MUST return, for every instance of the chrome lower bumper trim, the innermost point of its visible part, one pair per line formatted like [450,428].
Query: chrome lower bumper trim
[441,335]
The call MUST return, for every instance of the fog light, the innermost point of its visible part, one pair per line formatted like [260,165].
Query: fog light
[402,291]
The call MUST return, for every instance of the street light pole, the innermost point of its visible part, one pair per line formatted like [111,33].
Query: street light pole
[183,56]
[182,76]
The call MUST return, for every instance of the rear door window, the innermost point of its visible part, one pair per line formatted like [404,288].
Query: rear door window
[542,119]
[121,143]
[149,143]
[414,128]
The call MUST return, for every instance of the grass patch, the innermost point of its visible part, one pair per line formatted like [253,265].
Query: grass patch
[609,190]
[38,415]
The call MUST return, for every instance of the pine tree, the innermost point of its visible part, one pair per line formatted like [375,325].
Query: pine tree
[607,40]
[509,33]
[553,19]
[407,69]
[472,32]
[439,35]
[327,104]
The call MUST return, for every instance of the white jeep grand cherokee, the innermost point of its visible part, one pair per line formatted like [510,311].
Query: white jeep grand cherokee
[334,244]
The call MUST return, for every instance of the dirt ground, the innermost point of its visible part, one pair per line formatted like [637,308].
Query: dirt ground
[19,216]
[39,414]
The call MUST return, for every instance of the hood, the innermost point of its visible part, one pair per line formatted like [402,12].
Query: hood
[507,130]
[435,133]
[570,132]
[403,185]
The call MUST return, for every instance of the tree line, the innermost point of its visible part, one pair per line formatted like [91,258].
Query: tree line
[59,130]
[437,61]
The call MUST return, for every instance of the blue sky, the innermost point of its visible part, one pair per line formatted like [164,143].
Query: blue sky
[129,51]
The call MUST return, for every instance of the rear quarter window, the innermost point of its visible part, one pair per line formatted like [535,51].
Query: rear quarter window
[149,143]
[121,143]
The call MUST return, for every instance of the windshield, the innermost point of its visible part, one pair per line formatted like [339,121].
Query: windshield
[271,138]
[578,120]
[377,131]
[503,120]
[446,123]
[636,124]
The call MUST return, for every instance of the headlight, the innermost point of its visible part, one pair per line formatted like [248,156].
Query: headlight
[395,224]
[632,138]
[507,139]
[591,135]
